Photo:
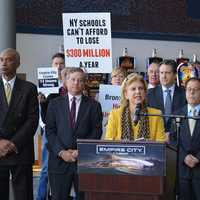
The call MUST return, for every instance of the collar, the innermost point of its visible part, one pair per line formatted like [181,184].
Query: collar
[151,86]
[11,82]
[191,108]
[172,88]
[78,97]
[60,83]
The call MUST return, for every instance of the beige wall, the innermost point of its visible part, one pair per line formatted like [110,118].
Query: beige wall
[36,50]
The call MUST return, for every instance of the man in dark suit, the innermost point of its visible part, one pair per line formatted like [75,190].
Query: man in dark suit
[18,123]
[189,151]
[58,63]
[68,119]
[156,97]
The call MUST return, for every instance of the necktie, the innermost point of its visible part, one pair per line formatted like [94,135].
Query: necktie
[192,122]
[168,104]
[8,92]
[73,112]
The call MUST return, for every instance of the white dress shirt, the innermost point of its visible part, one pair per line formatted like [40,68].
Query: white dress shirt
[78,102]
[172,88]
[10,82]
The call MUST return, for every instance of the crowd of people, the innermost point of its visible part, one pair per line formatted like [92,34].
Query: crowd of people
[71,115]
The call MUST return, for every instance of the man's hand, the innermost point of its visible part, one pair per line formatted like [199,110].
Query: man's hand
[69,155]
[6,147]
[191,161]
[41,97]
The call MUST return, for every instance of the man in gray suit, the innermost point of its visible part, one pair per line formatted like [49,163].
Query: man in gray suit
[69,118]
[18,123]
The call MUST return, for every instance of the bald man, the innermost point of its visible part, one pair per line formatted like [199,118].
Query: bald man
[153,75]
[18,123]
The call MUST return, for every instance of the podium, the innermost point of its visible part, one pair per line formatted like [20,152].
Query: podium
[113,170]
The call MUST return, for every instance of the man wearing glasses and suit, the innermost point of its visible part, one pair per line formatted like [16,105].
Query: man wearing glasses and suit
[189,153]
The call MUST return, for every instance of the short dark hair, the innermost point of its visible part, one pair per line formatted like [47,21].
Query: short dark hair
[58,55]
[170,62]
[155,62]
[192,79]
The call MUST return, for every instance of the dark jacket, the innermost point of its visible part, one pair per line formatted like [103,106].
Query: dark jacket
[19,121]
[155,99]
[60,134]
[189,144]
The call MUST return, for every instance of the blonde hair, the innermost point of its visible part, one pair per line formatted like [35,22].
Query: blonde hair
[64,73]
[72,70]
[133,77]
[118,70]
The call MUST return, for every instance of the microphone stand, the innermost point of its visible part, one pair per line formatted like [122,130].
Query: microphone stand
[178,119]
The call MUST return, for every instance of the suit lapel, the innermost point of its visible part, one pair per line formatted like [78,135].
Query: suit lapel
[3,101]
[186,128]
[176,98]
[159,97]
[16,94]
[81,111]
[195,135]
[66,110]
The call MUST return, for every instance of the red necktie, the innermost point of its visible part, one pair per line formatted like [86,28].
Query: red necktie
[73,112]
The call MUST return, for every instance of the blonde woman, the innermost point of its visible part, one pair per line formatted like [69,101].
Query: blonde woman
[120,124]
[117,76]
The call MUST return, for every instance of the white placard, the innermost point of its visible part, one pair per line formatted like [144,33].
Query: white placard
[109,98]
[47,80]
[87,41]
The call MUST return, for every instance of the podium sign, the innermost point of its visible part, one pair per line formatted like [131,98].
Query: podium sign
[121,170]
[118,158]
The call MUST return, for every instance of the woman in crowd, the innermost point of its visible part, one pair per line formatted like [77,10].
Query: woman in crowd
[120,124]
[117,76]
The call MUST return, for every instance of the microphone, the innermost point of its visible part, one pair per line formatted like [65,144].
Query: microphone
[136,116]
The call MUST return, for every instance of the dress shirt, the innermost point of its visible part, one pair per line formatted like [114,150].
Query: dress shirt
[11,82]
[78,102]
[191,113]
[150,86]
[190,110]
[172,88]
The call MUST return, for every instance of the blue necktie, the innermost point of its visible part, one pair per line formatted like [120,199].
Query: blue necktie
[168,104]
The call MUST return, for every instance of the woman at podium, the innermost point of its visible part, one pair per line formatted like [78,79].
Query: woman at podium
[127,123]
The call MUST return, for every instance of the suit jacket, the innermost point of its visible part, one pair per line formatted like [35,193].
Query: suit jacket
[155,99]
[19,121]
[189,144]
[156,126]
[60,134]
[44,105]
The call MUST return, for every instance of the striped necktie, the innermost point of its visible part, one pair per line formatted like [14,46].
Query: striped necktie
[8,92]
